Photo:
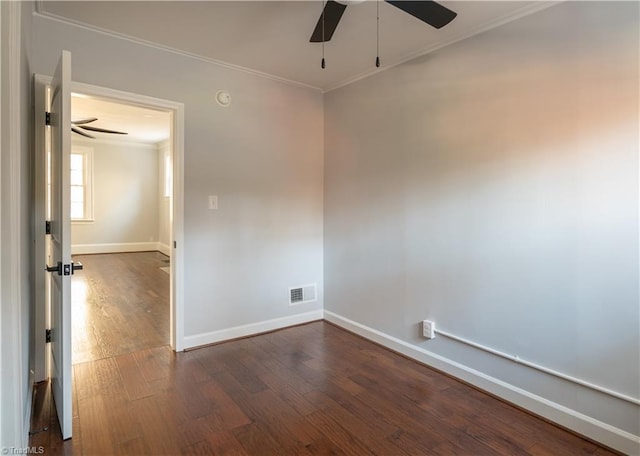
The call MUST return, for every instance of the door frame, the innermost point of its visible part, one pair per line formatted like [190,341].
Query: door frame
[15,387]
[177,210]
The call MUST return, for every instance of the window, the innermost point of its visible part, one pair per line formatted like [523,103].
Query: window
[167,174]
[81,177]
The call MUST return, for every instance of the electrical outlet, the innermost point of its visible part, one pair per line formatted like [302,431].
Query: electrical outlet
[429,329]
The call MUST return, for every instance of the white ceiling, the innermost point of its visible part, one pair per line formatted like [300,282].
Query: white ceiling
[142,125]
[272,37]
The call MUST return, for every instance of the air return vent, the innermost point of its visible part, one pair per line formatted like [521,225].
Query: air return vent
[304,293]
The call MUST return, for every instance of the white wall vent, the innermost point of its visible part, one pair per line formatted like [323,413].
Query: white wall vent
[302,294]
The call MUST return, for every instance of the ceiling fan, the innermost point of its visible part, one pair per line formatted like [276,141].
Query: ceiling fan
[429,12]
[83,124]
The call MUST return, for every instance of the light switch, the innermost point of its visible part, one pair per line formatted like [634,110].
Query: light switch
[213,202]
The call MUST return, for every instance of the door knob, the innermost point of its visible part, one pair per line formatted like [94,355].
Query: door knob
[57,268]
[65,269]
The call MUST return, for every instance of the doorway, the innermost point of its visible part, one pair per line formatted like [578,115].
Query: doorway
[121,170]
[172,247]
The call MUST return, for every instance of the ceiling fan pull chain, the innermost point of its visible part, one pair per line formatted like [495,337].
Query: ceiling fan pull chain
[322,64]
[377,33]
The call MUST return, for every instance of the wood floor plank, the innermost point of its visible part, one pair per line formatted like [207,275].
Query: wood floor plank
[282,418]
[225,408]
[159,435]
[333,431]
[155,363]
[280,385]
[225,443]
[368,431]
[97,429]
[134,447]
[255,440]
[133,381]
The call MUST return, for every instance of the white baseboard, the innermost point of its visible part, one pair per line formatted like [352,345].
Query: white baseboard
[164,248]
[123,247]
[199,340]
[582,424]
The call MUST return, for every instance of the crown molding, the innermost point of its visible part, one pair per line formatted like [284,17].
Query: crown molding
[40,12]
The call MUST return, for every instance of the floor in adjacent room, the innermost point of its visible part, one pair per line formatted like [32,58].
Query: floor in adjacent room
[119,304]
[309,389]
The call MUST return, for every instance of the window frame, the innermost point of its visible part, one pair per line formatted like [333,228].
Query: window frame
[87,175]
[167,175]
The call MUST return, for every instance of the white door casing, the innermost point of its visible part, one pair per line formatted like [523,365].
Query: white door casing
[43,317]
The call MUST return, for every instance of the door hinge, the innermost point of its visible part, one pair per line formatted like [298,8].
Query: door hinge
[175,245]
[47,335]
[47,118]
[47,227]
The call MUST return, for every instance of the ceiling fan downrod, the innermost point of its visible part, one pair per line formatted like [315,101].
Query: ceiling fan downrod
[377,33]
[322,64]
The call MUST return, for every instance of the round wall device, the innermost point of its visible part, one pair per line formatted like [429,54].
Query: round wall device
[223,98]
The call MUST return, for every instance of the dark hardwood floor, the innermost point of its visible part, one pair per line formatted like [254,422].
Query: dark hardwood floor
[120,304]
[311,389]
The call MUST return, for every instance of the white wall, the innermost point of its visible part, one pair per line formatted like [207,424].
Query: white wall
[262,157]
[492,186]
[164,203]
[125,198]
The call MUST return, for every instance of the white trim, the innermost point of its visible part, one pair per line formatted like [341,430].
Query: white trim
[251,329]
[3,65]
[176,237]
[164,248]
[120,247]
[481,28]
[177,225]
[115,142]
[139,41]
[86,151]
[12,413]
[611,436]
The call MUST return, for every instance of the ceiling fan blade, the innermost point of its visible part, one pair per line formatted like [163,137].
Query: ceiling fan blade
[84,121]
[82,133]
[430,12]
[332,13]
[102,130]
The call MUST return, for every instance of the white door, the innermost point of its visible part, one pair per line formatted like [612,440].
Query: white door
[59,261]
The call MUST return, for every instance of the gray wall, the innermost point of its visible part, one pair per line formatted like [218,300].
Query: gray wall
[125,194]
[262,156]
[492,186]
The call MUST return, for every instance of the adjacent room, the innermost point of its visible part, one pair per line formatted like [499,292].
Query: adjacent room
[396,228]
[120,218]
